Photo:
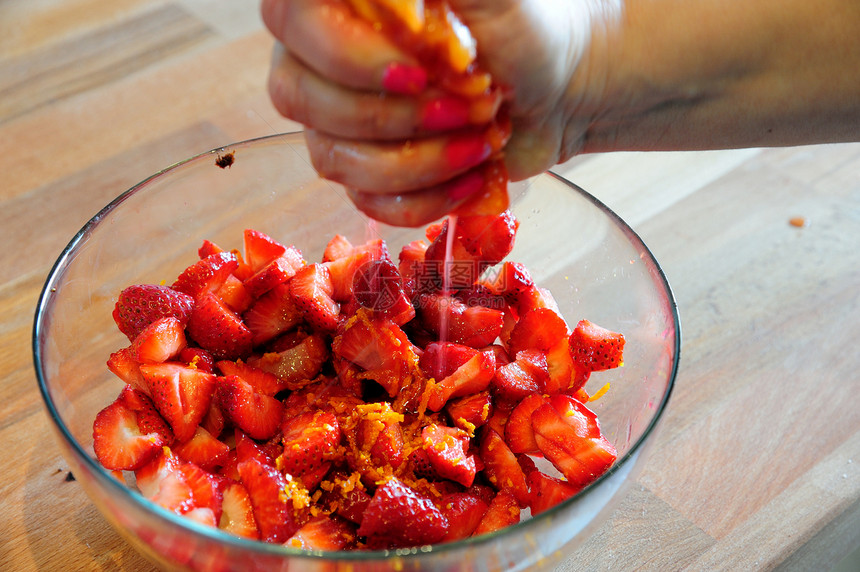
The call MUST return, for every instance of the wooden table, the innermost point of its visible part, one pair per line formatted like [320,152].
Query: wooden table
[758,462]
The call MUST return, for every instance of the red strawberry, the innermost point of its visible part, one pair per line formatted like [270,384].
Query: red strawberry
[206,275]
[203,450]
[519,434]
[140,305]
[262,381]
[205,489]
[342,271]
[219,330]
[538,329]
[272,314]
[324,533]
[464,512]
[452,320]
[310,439]
[533,298]
[441,359]
[509,280]
[197,358]
[411,267]
[181,394]
[580,459]
[237,514]
[338,247]
[296,364]
[260,249]
[378,286]
[172,490]
[345,495]
[234,293]
[123,365]
[564,374]
[595,347]
[502,512]
[548,491]
[214,420]
[382,349]
[447,449]
[148,418]
[502,467]
[149,477]
[378,433]
[273,509]
[278,271]
[312,290]
[488,237]
[158,342]
[118,442]
[247,448]
[398,514]
[520,378]
[208,247]
[256,414]
[471,411]
[473,376]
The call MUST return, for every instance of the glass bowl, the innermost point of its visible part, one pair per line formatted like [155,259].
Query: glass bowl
[594,264]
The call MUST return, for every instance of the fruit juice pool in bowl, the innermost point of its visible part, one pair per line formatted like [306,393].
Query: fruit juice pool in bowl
[595,266]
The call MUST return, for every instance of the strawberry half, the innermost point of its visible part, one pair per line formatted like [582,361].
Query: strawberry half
[502,467]
[548,491]
[401,516]
[237,514]
[140,305]
[312,290]
[181,394]
[538,329]
[473,376]
[118,443]
[452,320]
[464,512]
[273,509]
[160,341]
[219,330]
[324,533]
[447,450]
[256,414]
[272,314]
[595,348]
[296,364]
[503,511]
[206,275]
[310,439]
[203,450]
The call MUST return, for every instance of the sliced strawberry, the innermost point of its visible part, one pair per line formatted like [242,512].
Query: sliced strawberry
[256,414]
[534,298]
[548,491]
[197,358]
[488,237]
[118,443]
[595,348]
[452,320]
[237,514]
[441,359]
[310,439]
[538,329]
[312,290]
[181,394]
[447,448]
[123,365]
[272,314]
[381,349]
[234,293]
[411,266]
[464,512]
[219,330]
[581,460]
[564,374]
[324,533]
[262,381]
[397,513]
[520,378]
[379,434]
[247,448]
[205,489]
[448,264]
[519,434]
[278,271]
[203,450]
[343,270]
[160,341]
[206,275]
[273,509]
[140,305]
[503,511]
[502,467]
[294,365]
[471,411]
[509,280]
[473,376]
[214,420]
[378,286]
[260,249]
[345,495]
[208,247]
[338,247]
[148,418]
[148,477]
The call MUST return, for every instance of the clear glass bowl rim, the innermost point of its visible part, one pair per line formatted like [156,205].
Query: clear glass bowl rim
[269,549]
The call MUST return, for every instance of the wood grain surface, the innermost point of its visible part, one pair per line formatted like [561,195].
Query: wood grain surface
[757,465]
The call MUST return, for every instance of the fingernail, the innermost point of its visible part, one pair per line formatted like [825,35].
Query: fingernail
[404,79]
[467,150]
[464,186]
[444,113]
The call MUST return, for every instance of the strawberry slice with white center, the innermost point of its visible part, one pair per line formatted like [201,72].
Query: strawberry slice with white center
[206,275]
[203,450]
[181,394]
[272,314]
[473,376]
[519,434]
[312,290]
[148,418]
[219,330]
[400,515]
[140,305]
[118,443]
[324,533]
[595,348]
[580,459]
[488,237]
[160,341]
[260,249]
[273,509]
[205,489]
[256,414]
[237,514]
[471,411]
[378,287]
